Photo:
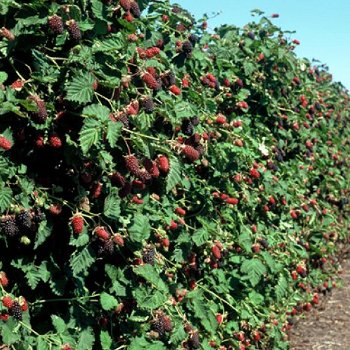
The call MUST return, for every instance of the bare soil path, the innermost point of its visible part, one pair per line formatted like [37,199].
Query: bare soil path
[328,326]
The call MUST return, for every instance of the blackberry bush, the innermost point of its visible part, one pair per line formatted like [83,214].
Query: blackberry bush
[163,186]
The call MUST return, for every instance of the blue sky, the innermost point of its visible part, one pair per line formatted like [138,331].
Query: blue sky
[322,26]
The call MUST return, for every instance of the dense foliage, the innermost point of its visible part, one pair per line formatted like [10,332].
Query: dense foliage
[162,187]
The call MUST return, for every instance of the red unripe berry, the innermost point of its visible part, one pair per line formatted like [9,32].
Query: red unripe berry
[220,119]
[294,275]
[3,279]
[77,224]
[231,200]
[165,242]
[254,173]
[237,123]
[17,85]
[272,200]
[256,248]
[190,153]
[102,233]
[256,336]
[254,228]
[307,307]
[192,284]
[24,304]
[7,301]
[300,270]
[55,141]
[119,240]
[163,164]
[240,336]
[96,190]
[180,211]
[6,33]
[216,252]
[4,316]
[294,214]
[5,144]
[219,318]
[150,81]
[175,90]
[315,299]
[173,225]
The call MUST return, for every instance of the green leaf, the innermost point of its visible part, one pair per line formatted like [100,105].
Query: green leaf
[254,269]
[99,9]
[174,176]
[151,275]
[281,288]
[96,110]
[113,132]
[86,340]
[112,205]
[42,344]
[140,229]
[108,302]
[35,274]
[58,323]
[106,340]
[141,343]
[89,134]
[110,45]
[80,89]
[7,335]
[149,300]
[200,237]
[80,261]
[184,110]
[43,233]
[118,289]
[3,77]
[5,198]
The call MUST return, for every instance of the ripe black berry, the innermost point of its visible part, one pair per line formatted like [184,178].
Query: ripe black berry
[148,105]
[9,227]
[187,49]
[105,247]
[168,79]
[16,311]
[187,127]
[158,326]
[193,342]
[24,220]
[148,255]
[193,39]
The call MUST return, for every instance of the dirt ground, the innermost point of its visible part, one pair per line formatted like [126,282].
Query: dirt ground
[328,326]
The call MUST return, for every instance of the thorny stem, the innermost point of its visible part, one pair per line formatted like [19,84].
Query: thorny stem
[66,299]
[141,135]
[218,297]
